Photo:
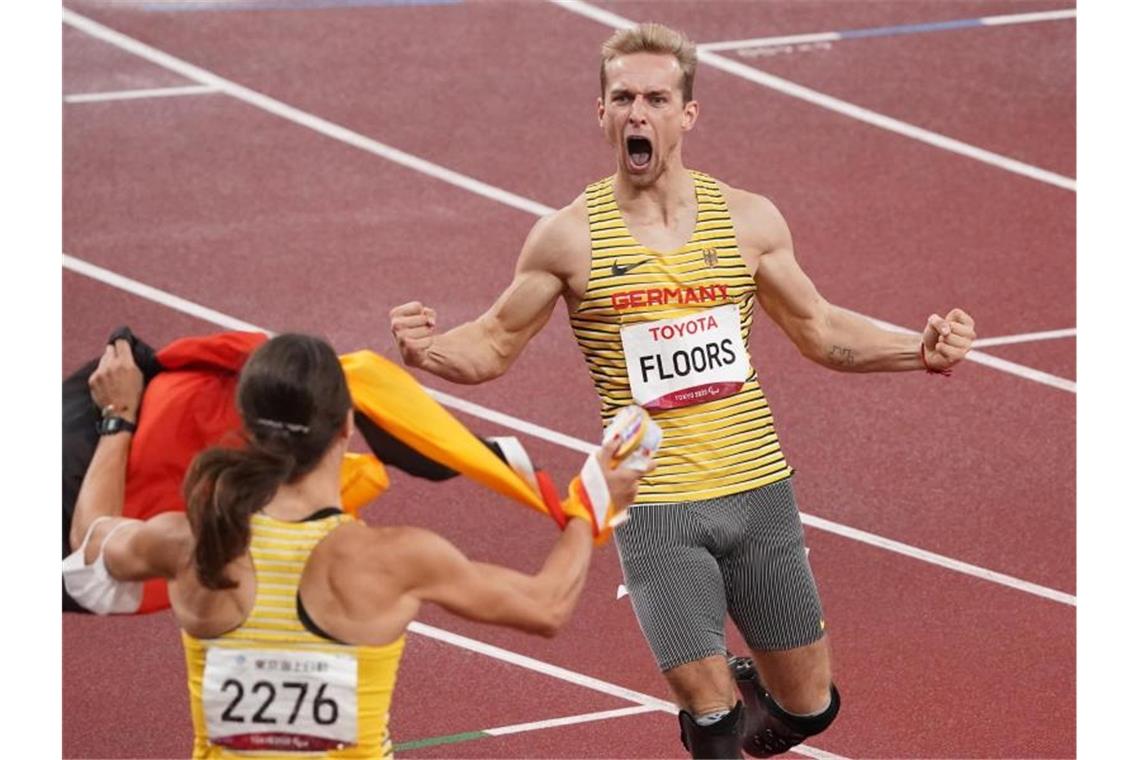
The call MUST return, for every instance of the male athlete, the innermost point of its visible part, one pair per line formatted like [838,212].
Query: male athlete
[662,268]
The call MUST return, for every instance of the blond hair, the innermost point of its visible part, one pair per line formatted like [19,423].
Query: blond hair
[653,38]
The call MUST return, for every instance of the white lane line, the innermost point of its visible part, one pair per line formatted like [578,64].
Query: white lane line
[569,720]
[791,39]
[297,116]
[164,92]
[576,444]
[814,752]
[1025,18]
[169,300]
[546,668]
[514,423]
[1016,18]
[1036,375]
[417,164]
[865,115]
[937,559]
[1005,340]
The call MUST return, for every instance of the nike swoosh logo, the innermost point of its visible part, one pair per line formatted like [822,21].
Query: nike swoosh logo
[617,270]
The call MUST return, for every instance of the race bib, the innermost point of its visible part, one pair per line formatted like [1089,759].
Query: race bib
[686,360]
[279,700]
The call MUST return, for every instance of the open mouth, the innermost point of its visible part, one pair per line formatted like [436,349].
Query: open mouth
[640,150]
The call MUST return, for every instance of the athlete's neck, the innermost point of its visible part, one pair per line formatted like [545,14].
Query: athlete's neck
[668,200]
[319,489]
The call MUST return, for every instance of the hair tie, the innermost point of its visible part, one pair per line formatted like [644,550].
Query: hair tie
[289,427]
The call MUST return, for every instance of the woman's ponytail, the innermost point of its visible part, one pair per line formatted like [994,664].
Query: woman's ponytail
[294,400]
[223,488]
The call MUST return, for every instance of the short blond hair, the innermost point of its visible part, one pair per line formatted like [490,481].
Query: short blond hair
[653,38]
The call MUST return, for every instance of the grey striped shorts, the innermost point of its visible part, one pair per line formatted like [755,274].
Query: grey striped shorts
[687,564]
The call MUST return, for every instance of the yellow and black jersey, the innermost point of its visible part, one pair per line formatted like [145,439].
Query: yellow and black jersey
[669,330]
[273,687]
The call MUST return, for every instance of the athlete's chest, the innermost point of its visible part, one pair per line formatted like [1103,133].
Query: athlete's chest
[659,233]
[644,266]
[632,285]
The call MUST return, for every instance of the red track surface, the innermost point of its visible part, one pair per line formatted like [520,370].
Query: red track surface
[226,205]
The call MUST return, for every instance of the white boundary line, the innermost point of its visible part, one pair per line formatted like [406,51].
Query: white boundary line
[546,668]
[1025,18]
[1036,375]
[1005,340]
[415,163]
[514,423]
[1018,18]
[570,720]
[169,300]
[163,92]
[576,444]
[717,61]
[938,559]
[755,42]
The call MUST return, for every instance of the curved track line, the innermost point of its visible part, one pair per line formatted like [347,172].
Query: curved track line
[416,163]
[476,410]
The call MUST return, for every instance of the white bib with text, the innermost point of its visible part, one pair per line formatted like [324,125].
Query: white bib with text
[279,700]
[686,360]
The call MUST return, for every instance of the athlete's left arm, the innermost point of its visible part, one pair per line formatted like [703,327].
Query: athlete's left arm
[825,333]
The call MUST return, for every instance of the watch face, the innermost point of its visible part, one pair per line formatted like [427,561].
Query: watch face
[112,425]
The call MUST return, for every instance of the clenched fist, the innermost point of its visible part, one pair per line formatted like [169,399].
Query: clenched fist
[413,327]
[945,341]
[117,383]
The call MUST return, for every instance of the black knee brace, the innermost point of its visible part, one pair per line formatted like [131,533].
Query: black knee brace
[719,740]
[768,728]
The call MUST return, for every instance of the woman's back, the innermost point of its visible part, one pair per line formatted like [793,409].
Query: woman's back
[277,681]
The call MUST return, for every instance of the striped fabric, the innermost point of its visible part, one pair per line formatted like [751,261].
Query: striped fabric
[710,449]
[280,550]
[687,565]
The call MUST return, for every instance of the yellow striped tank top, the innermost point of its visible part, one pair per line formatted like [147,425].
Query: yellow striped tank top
[661,329]
[270,688]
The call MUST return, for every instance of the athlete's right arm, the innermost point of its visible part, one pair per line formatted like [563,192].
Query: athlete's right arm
[539,603]
[486,347]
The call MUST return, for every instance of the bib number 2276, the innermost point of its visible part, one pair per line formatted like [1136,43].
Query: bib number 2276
[279,700]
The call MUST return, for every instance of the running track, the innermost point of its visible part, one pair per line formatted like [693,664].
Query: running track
[919,168]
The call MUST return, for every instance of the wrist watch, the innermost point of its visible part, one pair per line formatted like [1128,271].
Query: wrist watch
[112,425]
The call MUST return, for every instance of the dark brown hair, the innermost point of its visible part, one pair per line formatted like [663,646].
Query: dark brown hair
[293,400]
